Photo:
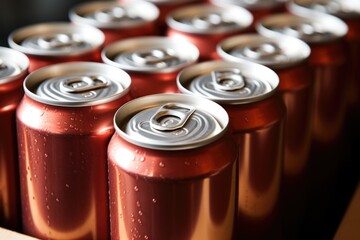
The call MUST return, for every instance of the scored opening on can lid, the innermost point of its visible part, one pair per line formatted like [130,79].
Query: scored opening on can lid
[229,82]
[311,28]
[110,15]
[275,52]
[251,4]
[12,64]
[209,19]
[344,9]
[77,84]
[56,39]
[171,121]
[150,54]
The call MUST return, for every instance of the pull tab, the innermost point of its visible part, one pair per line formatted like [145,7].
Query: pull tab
[329,6]
[228,79]
[59,41]
[2,64]
[304,29]
[114,14]
[210,20]
[264,50]
[83,84]
[171,116]
[158,57]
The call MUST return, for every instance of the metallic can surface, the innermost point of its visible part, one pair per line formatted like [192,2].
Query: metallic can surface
[117,21]
[248,92]
[172,170]
[64,123]
[206,25]
[152,62]
[288,57]
[50,43]
[258,8]
[13,69]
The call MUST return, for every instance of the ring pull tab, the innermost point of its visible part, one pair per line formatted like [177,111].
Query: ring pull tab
[209,21]
[228,79]
[305,29]
[171,116]
[83,84]
[2,64]
[264,50]
[114,14]
[158,57]
[59,41]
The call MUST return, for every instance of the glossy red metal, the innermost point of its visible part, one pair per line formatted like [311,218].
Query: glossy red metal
[62,159]
[11,92]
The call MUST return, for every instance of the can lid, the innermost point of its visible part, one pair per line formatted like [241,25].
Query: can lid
[311,28]
[171,121]
[56,39]
[229,82]
[110,15]
[209,19]
[77,84]
[150,54]
[170,2]
[344,9]
[251,4]
[12,64]
[274,52]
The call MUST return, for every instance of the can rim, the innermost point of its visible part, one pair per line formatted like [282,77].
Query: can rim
[76,14]
[55,70]
[232,11]
[287,43]
[142,103]
[186,50]
[20,58]
[95,37]
[251,68]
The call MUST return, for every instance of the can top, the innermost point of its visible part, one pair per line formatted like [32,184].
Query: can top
[170,2]
[251,4]
[312,28]
[209,19]
[77,84]
[229,82]
[12,64]
[275,52]
[150,54]
[344,9]
[110,15]
[56,39]
[171,121]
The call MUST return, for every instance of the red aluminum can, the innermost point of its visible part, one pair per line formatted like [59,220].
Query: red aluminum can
[248,92]
[288,57]
[64,123]
[13,69]
[172,170]
[50,43]
[206,25]
[349,12]
[117,21]
[152,62]
[258,8]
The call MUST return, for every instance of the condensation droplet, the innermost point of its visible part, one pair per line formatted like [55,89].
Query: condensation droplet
[154,200]
[161,164]
[136,188]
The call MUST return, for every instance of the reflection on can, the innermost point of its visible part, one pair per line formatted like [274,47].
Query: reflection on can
[64,123]
[172,170]
[248,92]
[13,69]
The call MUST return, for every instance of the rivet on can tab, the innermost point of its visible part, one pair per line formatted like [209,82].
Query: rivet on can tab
[158,57]
[83,84]
[59,41]
[228,79]
[171,117]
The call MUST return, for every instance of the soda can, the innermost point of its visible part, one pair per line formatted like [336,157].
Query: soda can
[248,92]
[152,62]
[165,7]
[349,12]
[206,25]
[50,43]
[13,70]
[258,8]
[117,21]
[64,123]
[288,57]
[172,170]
